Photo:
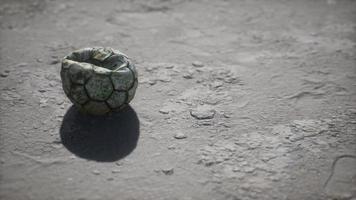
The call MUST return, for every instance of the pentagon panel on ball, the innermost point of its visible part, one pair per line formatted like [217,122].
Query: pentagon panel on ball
[98,80]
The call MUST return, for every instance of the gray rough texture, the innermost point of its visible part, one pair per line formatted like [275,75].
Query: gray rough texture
[279,74]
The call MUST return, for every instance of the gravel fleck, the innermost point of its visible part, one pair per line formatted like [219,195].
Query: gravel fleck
[3,74]
[22,65]
[96,172]
[203,112]
[115,171]
[187,76]
[168,171]
[197,64]
[180,135]
[164,111]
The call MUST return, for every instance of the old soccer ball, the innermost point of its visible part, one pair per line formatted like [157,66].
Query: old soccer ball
[98,80]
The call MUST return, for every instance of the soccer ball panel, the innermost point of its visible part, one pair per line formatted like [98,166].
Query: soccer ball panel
[113,62]
[116,99]
[101,71]
[132,91]
[66,83]
[122,79]
[78,94]
[79,73]
[133,69]
[99,87]
[81,55]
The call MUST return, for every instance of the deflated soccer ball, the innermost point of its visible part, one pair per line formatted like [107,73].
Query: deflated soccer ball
[98,80]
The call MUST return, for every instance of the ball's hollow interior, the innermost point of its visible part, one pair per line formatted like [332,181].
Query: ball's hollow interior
[100,57]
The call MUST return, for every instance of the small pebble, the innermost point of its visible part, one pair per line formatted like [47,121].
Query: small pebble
[171,147]
[164,111]
[96,172]
[152,82]
[170,66]
[22,65]
[180,135]
[197,64]
[187,76]
[227,115]
[115,171]
[4,74]
[168,171]
[203,112]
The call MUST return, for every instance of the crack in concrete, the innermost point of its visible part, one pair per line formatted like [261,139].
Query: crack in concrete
[333,167]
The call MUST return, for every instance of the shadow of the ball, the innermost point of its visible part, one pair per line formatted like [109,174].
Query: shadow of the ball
[101,138]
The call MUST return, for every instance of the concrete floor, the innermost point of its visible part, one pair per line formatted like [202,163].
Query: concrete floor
[237,99]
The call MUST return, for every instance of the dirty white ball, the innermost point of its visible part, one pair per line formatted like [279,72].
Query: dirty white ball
[98,80]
